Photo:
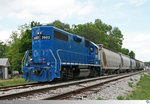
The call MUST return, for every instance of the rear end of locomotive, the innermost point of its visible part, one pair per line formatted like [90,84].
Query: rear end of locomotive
[58,54]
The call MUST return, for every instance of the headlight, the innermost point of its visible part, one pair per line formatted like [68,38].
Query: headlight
[31,59]
[48,63]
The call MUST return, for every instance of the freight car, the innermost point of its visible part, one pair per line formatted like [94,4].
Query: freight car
[110,60]
[114,62]
[59,54]
[139,65]
[133,64]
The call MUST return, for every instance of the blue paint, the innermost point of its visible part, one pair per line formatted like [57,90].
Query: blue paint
[49,52]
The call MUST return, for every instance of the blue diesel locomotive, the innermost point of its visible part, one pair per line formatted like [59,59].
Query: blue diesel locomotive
[59,54]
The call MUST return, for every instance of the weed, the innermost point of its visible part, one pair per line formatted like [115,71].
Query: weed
[130,84]
[14,81]
[131,79]
[120,98]
[1,84]
[99,98]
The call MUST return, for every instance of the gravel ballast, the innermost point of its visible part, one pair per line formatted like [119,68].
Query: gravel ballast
[111,90]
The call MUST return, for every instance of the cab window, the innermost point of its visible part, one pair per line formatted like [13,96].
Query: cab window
[87,43]
[92,49]
[60,36]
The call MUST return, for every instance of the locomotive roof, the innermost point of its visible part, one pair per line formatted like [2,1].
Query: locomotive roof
[57,29]
[65,32]
[95,44]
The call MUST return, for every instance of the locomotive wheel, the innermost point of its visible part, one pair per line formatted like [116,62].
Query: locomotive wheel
[67,73]
[110,72]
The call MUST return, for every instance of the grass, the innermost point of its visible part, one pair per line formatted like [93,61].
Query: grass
[99,98]
[131,79]
[130,84]
[120,98]
[14,81]
[142,91]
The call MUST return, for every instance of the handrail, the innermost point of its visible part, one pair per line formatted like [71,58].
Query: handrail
[24,60]
[54,59]
[59,57]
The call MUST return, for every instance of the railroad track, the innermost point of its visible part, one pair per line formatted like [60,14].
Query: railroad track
[63,90]
[66,95]
[7,88]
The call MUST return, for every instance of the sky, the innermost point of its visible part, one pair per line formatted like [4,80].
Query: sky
[132,17]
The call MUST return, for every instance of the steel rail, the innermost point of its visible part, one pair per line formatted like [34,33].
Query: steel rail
[6,88]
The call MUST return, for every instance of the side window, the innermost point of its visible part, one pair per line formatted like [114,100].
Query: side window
[60,36]
[96,50]
[92,49]
[77,39]
[87,43]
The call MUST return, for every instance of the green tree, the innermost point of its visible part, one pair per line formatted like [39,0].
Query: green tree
[88,31]
[125,51]
[60,25]
[100,33]
[19,43]
[2,49]
[13,52]
[132,54]
[147,63]
[115,39]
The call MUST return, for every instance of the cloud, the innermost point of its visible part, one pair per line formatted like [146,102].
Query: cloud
[120,4]
[139,43]
[5,34]
[142,37]
[137,2]
[22,15]
[43,9]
